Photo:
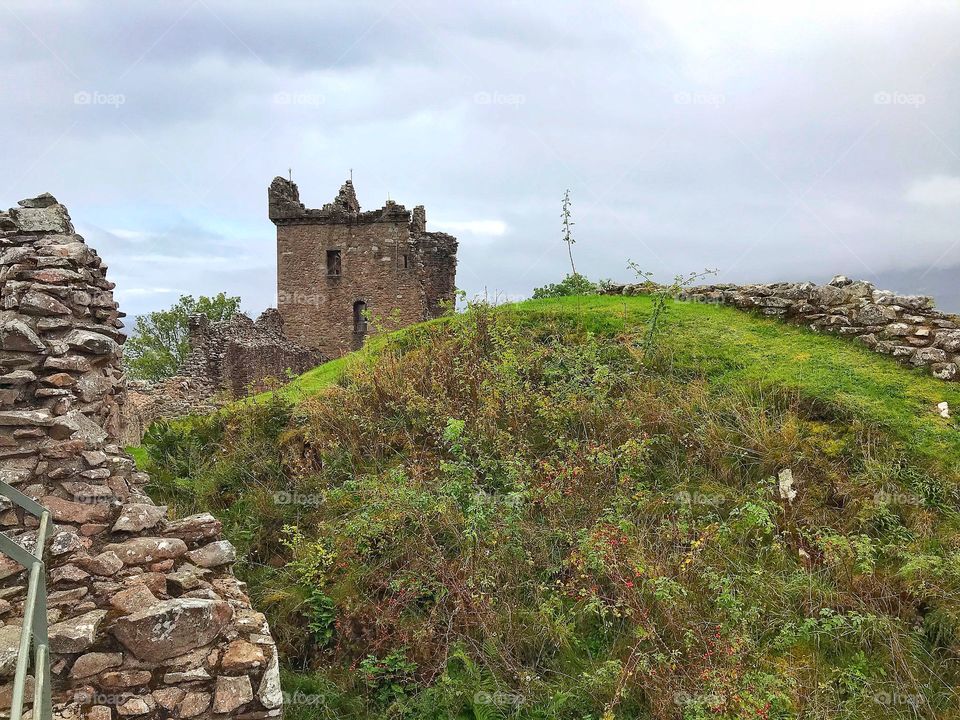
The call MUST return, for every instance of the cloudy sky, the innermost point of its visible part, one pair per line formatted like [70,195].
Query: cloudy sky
[769,139]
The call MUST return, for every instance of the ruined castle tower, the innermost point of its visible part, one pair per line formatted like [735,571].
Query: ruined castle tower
[342,272]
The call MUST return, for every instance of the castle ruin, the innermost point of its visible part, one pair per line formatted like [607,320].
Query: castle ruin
[342,274]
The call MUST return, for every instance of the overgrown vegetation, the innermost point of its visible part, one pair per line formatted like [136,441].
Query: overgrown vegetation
[571,285]
[160,340]
[519,512]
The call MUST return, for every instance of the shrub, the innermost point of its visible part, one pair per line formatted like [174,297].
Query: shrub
[573,284]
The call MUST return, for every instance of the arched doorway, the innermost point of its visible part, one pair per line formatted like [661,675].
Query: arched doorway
[360,317]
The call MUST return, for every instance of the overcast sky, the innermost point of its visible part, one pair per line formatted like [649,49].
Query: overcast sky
[770,139]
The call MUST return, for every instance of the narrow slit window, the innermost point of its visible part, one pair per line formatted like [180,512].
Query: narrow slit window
[406,262]
[359,316]
[333,263]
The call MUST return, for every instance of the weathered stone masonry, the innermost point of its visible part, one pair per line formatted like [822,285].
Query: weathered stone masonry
[337,265]
[227,359]
[147,619]
[238,354]
[905,327]
[146,402]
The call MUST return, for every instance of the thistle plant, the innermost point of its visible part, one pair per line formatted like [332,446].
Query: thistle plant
[565,215]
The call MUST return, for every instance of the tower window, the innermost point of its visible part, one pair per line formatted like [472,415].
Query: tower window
[333,263]
[406,262]
[359,316]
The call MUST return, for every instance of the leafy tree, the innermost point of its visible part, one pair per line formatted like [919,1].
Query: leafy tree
[160,339]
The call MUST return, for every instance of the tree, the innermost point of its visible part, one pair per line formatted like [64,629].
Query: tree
[160,340]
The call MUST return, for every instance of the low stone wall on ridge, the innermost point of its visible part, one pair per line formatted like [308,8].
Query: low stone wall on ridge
[906,327]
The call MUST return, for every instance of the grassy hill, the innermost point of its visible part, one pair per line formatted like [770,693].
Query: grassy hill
[517,512]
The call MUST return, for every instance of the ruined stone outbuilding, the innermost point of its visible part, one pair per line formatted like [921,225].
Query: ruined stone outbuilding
[227,360]
[343,274]
[239,355]
[146,617]
[146,402]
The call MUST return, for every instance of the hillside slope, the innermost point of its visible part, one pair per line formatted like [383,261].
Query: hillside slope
[518,513]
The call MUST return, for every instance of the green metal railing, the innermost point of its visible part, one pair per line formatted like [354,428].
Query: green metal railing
[34,629]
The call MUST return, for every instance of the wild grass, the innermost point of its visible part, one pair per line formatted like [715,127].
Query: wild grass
[518,512]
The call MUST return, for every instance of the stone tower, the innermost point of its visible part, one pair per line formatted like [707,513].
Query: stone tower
[342,272]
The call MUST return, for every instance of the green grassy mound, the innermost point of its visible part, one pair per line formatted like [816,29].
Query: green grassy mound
[519,513]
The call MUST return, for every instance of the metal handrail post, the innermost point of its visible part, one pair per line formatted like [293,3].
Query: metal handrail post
[34,631]
[41,684]
[42,704]
[26,637]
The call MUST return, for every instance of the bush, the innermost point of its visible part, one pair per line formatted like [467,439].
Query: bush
[573,284]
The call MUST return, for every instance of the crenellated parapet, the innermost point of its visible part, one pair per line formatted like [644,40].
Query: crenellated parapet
[342,272]
[284,207]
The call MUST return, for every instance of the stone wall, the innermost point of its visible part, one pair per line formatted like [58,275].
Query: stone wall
[146,617]
[227,360]
[906,327]
[437,255]
[387,260]
[146,402]
[239,355]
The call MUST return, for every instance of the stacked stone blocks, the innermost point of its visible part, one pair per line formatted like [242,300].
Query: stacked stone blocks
[239,355]
[146,617]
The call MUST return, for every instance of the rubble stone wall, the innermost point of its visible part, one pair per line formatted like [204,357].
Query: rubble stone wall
[146,402]
[238,355]
[906,327]
[146,617]
[227,360]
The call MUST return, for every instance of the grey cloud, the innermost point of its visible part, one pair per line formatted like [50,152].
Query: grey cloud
[788,157]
